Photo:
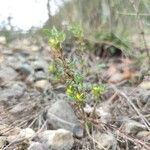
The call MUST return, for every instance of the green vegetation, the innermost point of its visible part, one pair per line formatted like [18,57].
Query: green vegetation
[55,38]
[76,30]
[112,21]
[65,70]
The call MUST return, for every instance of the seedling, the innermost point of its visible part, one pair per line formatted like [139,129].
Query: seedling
[66,70]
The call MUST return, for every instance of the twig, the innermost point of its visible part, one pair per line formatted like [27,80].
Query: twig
[132,139]
[87,130]
[18,140]
[145,121]
[123,135]
[137,117]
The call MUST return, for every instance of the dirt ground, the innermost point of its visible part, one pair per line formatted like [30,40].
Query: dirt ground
[27,92]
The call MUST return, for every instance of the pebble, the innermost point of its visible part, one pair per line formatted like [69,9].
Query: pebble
[13,90]
[7,74]
[24,69]
[143,134]
[60,139]
[3,40]
[39,75]
[133,127]
[61,115]
[42,85]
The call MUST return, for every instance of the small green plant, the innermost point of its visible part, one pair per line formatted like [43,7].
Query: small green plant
[75,89]
[65,69]
[76,30]
[98,90]
[55,38]
[77,33]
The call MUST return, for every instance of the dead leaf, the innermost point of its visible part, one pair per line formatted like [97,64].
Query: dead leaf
[120,71]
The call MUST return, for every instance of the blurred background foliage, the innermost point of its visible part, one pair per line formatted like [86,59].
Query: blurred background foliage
[108,20]
[99,19]
[117,16]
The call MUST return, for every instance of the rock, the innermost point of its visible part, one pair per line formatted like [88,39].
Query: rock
[12,62]
[7,74]
[7,51]
[20,57]
[61,115]
[59,89]
[132,127]
[116,78]
[143,135]
[18,108]
[37,146]
[3,141]
[3,40]
[34,48]
[145,85]
[23,54]
[40,65]
[106,141]
[14,90]
[143,96]
[20,44]
[11,138]
[139,95]
[26,133]
[57,139]
[42,85]
[104,112]
[24,69]
[40,75]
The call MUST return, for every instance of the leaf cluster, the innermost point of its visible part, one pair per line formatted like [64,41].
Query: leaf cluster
[66,70]
[76,30]
[55,38]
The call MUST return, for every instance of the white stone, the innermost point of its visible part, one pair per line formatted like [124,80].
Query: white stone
[145,85]
[41,85]
[2,40]
[34,48]
[143,134]
[60,139]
